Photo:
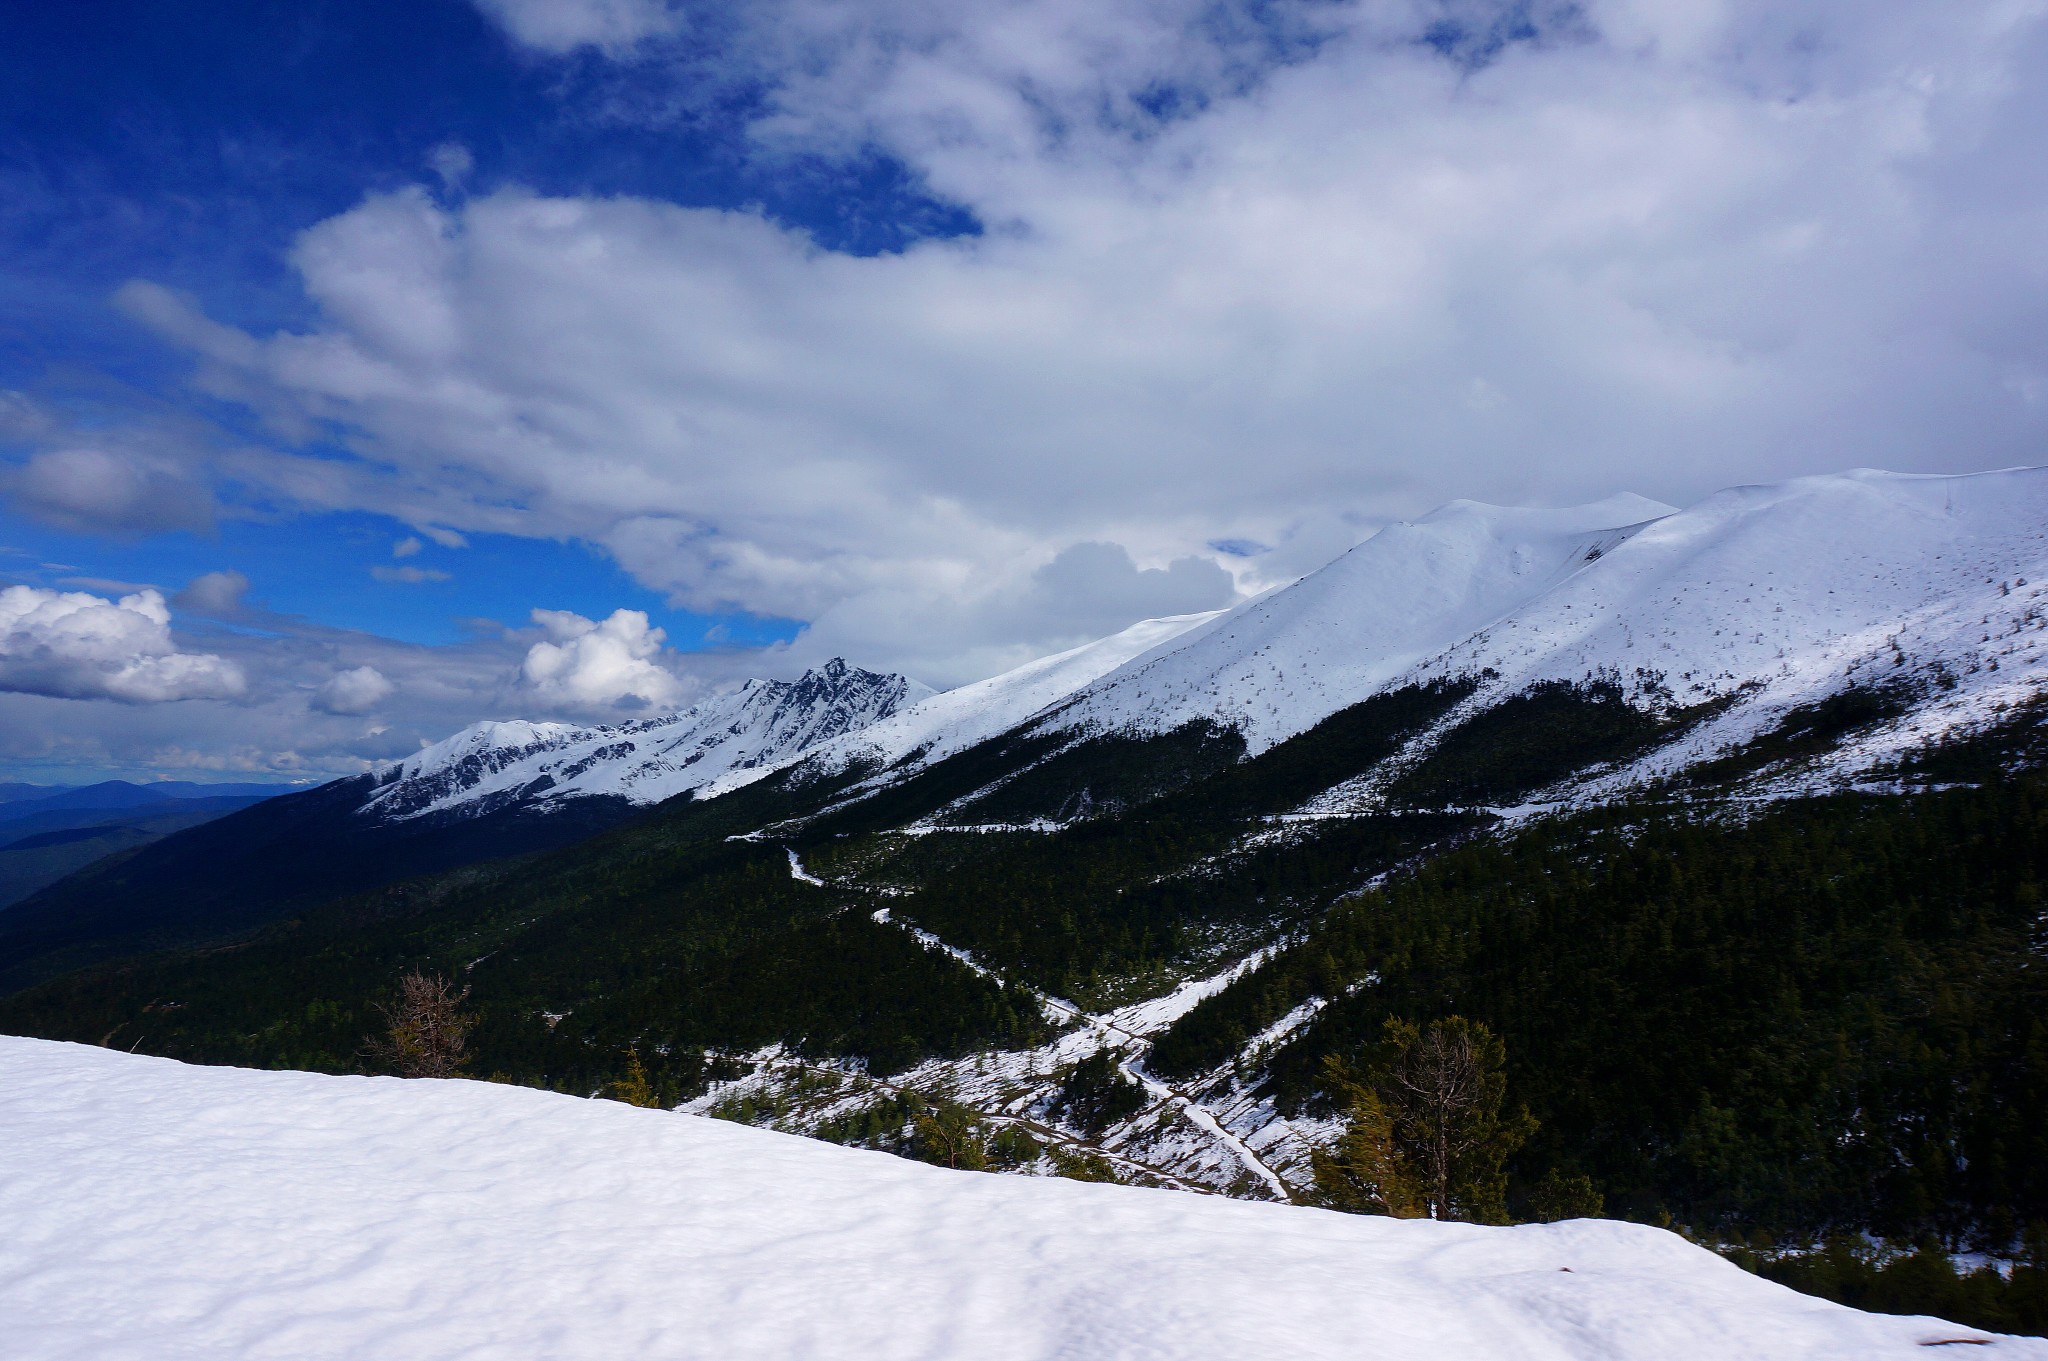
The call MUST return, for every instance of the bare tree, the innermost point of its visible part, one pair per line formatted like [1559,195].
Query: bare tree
[427,1032]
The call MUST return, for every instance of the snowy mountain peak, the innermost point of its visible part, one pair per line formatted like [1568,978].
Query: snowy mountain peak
[951,722]
[1277,664]
[731,738]
[1781,594]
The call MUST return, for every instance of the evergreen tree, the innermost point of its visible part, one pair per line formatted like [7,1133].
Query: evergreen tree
[635,1088]
[1559,1196]
[1426,1132]
[948,1135]
[1365,1172]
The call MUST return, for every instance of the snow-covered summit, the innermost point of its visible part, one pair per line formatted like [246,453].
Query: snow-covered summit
[151,1209]
[950,722]
[1278,664]
[1760,582]
[1785,594]
[1780,594]
[731,738]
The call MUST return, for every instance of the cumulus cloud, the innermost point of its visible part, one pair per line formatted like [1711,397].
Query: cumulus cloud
[72,645]
[354,691]
[1251,274]
[587,664]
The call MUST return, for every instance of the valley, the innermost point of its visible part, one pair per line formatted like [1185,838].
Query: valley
[1745,877]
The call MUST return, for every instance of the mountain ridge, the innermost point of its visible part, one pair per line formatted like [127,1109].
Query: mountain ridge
[730,739]
[1134,941]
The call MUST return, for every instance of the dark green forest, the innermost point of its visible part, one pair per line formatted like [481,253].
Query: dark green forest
[1822,1015]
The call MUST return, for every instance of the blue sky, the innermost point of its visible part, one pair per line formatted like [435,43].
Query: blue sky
[190,145]
[351,353]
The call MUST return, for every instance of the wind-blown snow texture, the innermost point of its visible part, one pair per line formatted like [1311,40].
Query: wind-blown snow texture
[730,739]
[155,1211]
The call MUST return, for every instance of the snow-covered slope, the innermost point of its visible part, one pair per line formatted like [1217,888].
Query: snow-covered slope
[957,719]
[1781,594]
[153,1210]
[1276,665]
[731,738]
[1791,592]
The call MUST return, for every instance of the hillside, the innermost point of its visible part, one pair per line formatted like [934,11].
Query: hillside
[1774,596]
[493,790]
[42,847]
[151,1209]
[1809,862]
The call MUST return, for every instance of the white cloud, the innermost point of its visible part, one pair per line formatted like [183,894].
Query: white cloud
[98,489]
[595,665]
[1665,247]
[451,162]
[560,26]
[354,691]
[407,575]
[72,645]
[406,547]
[215,593]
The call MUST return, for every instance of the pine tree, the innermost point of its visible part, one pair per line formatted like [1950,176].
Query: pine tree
[1425,1131]
[1446,1085]
[1559,1196]
[635,1089]
[947,1135]
[1365,1172]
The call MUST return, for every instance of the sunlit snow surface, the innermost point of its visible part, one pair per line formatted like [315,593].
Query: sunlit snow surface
[153,1210]
[1785,592]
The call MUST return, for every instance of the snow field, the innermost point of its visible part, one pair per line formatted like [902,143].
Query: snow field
[955,720]
[154,1210]
[1790,591]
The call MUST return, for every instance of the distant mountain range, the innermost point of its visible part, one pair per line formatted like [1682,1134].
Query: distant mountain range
[1722,634]
[50,831]
[494,789]
[125,794]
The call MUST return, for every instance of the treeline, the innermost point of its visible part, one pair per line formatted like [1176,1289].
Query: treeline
[1849,1270]
[1082,911]
[572,962]
[1828,1014]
